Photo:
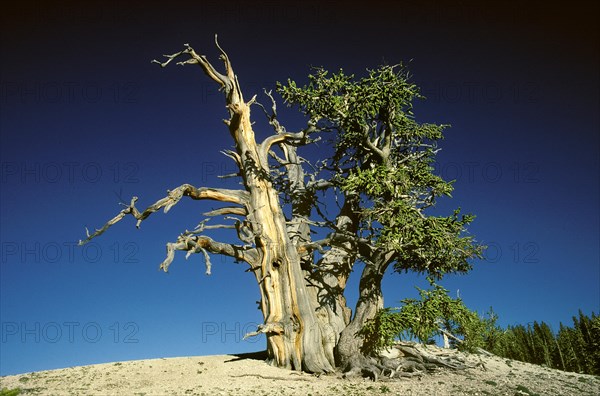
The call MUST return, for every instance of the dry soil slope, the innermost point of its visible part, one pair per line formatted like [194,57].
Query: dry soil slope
[248,374]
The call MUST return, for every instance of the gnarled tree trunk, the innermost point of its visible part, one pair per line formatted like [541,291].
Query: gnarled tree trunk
[306,321]
[294,337]
[349,356]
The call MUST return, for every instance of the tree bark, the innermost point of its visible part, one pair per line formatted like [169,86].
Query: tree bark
[307,323]
[294,337]
[327,282]
[349,356]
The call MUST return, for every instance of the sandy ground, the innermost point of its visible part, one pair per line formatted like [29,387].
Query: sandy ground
[248,374]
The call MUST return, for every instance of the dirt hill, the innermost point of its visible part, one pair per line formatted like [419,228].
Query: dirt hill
[248,374]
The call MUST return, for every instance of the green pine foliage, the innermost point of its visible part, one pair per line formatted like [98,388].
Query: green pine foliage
[10,392]
[595,343]
[575,349]
[385,157]
[382,163]
[430,315]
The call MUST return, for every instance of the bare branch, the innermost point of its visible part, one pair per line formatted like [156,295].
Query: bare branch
[235,210]
[281,161]
[169,57]
[372,146]
[173,197]
[234,156]
[283,137]
[227,176]
[334,239]
[288,137]
[273,116]
[194,59]
[225,59]
[228,82]
[320,184]
[276,328]
[111,222]
[309,247]
[192,243]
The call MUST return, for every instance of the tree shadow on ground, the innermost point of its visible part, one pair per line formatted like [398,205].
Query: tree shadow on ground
[260,355]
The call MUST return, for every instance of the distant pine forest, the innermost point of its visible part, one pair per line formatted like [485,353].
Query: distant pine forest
[575,348]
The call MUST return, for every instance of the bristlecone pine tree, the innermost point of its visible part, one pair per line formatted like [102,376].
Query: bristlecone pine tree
[380,172]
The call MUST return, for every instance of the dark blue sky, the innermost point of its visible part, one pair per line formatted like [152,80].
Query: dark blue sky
[86,118]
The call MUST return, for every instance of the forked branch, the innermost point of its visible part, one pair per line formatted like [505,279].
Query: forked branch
[192,243]
[271,327]
[228,81]
[217,194]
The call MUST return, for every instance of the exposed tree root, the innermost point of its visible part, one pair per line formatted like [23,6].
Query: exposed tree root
[407,360]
